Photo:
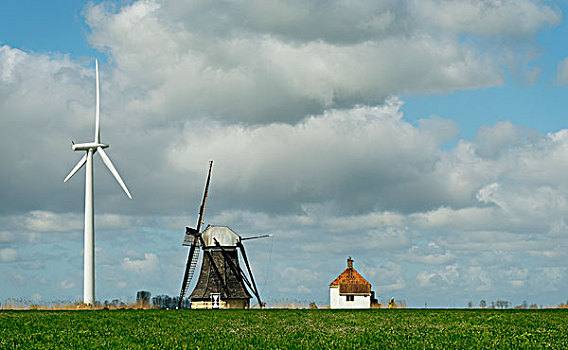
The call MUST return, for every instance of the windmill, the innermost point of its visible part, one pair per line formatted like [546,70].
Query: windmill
[221,282]
[91,148]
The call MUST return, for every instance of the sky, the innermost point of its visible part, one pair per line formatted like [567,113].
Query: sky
[425,139]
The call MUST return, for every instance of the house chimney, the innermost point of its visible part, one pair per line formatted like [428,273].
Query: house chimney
[349,262]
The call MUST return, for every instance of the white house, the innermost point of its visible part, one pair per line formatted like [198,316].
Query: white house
[350,290]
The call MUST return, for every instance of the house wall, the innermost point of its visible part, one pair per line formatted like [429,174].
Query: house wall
[337,301]
[224,304]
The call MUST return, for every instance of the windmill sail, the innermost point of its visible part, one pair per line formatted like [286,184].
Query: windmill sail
[192,238]
[193,264]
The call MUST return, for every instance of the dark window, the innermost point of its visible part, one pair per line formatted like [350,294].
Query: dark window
[350,298]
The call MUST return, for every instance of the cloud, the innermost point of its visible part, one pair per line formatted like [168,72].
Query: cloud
[43,221]
[480,278]
[298,108]
[448,275]
[301,66]
[6,237]
[495,17]
[66,284]
[360,181]
[17,279]
[430,254]
[299,280]
[281,167]
[497,138]
[148,264]
[562,72]
[385,278]
[8,255]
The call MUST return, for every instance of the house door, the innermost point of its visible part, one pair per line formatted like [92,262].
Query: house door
[215,300]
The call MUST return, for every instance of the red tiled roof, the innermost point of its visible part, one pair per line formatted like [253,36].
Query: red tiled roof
[349,276]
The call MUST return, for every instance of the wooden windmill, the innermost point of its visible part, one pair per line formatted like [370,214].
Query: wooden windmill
[222,283]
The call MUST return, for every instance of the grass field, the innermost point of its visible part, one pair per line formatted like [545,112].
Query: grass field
[284,329]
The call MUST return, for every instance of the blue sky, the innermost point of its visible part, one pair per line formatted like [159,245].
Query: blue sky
[55,26]
[427,139]
[537,105]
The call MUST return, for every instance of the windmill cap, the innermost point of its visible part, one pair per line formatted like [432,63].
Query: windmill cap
[222,234]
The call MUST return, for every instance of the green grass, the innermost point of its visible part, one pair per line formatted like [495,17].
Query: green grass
[284,329]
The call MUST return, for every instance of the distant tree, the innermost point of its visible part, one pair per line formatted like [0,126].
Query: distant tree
[502,304]
[143,298]
[163,302]
[482,304]
[186,303]
[470,304]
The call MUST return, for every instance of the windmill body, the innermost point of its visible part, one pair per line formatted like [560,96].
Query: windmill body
[220,273]
[222,282]
[89,240]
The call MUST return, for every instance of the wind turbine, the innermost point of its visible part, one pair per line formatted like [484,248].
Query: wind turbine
[91,148]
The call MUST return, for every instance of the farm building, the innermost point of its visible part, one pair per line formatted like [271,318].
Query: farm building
[350,290]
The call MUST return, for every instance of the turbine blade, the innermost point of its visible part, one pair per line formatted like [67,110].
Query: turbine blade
[97,104]
[112,169]
[77,167]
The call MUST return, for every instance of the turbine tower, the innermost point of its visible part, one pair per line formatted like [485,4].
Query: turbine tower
[91,148]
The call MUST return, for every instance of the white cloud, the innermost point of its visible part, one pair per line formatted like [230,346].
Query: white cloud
[146,265]
[491,140]
[480,278]
[293,105]
[430,254]
[8,255]
[289,75]
[17,278]
[562,72]
[398,285]
[43,221]
[66,284]
[447,276]
[6,237]
[362,181]
[387,277]
[494,17]
[145,98]
[279,165]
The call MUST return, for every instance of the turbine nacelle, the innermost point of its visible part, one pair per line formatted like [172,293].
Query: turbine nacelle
[87,146]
